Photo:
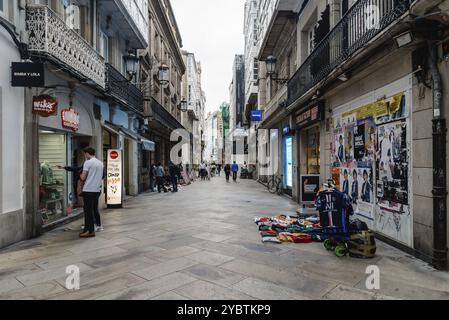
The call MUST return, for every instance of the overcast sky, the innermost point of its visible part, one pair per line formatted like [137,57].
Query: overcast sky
[213,31]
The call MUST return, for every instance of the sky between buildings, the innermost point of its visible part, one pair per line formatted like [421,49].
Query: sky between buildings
[213,30]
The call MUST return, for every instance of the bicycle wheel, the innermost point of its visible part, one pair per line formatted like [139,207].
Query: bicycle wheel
[272,186]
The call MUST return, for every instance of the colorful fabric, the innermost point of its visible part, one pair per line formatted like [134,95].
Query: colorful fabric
[271,240]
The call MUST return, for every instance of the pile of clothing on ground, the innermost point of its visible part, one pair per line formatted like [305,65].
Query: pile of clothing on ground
[283,228]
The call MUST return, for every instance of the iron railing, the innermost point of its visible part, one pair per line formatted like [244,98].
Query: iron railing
[161,115]
[364,21]
[50,36]
[119,88]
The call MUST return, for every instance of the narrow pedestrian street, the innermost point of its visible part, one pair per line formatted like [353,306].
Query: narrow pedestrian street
[202,243]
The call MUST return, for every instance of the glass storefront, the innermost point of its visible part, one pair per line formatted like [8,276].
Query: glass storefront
[313,150]
[53,187]
[288,161]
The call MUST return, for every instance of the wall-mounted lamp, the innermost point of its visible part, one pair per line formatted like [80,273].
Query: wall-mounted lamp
[271,69]
[131,64]
[164,74]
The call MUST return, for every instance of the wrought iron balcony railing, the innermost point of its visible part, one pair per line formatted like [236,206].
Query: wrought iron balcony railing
[118,87]
[161,115]
[51,37]
[365,20]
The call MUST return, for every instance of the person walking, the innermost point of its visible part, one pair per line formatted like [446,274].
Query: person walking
[92,176]
[152,177]
[160,178]
[227,170]
[219,170]
[235,170]
[173,170]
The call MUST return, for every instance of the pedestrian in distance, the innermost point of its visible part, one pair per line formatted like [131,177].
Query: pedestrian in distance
[160,178]
[227,170]
[219,170]
[174,174]
[92,176]
[235,170]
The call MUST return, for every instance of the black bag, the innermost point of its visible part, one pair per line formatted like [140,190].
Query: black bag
[358,226]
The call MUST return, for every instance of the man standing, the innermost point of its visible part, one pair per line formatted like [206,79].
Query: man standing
[160,178]
[174,173]
[235,170]
[92,176]
[227,170]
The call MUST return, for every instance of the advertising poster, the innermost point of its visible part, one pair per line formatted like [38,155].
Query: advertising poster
[114,179]
[336,177]
[392,164]
[360,145]
[349,144]
[339,150]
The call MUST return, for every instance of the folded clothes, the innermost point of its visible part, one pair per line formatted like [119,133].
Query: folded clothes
[272,232]
[264,228]
[271,239]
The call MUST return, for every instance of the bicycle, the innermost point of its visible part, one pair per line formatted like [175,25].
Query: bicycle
[275,185]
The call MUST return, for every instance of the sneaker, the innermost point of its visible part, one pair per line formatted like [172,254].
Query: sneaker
[99,228]
[87,234]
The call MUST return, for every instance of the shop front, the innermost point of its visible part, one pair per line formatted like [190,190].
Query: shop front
[287,158]
[309,130]
[371,158]
[65,130]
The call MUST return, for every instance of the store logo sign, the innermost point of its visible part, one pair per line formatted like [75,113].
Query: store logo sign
[45,106]
[27,74]
[70,119]
[114,155]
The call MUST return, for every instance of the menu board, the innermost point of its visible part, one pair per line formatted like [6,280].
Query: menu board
[114,179]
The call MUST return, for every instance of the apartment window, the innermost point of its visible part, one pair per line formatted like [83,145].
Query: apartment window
[104,46]
[311,39]
[256,70]
[4,8]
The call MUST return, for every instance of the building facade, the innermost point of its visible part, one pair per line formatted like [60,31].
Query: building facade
[359,98]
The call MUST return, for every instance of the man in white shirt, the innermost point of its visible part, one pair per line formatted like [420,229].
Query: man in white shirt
[92,176]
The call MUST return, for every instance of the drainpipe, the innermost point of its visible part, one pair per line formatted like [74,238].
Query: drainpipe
[439,166]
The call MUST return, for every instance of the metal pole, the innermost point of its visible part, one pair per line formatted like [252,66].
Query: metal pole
[439,167]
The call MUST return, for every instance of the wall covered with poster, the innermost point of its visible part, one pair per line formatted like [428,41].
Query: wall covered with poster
[370,149]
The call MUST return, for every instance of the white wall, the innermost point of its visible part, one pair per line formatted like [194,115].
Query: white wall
[11,128]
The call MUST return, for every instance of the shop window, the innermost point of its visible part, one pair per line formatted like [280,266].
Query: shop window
[313,150]
[53,181]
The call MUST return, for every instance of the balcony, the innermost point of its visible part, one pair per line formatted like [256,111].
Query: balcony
[165,118]
[354,31]
[123,91]
[50,37]
[130,18]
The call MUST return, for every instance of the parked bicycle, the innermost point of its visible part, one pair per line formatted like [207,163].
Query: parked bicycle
[275,185]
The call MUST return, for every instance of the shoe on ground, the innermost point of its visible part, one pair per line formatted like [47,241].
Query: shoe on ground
[87,234]
[99,228]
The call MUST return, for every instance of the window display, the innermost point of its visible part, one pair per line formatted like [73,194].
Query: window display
[313,150]
[53,181]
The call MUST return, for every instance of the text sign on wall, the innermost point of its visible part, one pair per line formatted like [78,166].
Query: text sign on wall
[114,178]
[26,74]
[70,119]
[45,106]
[256,115]
[309,116]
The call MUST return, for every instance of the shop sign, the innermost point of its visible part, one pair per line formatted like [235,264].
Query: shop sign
[25,74]
[114,179]
[70,119]
[309,116]
[45,106]
[256,115]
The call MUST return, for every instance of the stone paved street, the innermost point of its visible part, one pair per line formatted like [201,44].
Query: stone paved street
[202,244]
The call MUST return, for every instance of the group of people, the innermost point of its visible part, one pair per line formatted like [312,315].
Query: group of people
[209,170]
[161,177]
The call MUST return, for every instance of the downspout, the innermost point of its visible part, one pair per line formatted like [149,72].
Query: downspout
[439,166]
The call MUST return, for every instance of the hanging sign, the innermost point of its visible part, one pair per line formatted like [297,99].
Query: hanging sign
[114,179]
[309,116]
[45,106]
[70,119]
[26,74]
[256,115]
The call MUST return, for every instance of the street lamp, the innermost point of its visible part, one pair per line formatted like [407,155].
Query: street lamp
[271,65]
[271,70]
[131,64]
[164,74]
[183,106]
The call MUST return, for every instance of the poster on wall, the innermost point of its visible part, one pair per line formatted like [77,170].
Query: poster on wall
[114,179]
[370,152]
